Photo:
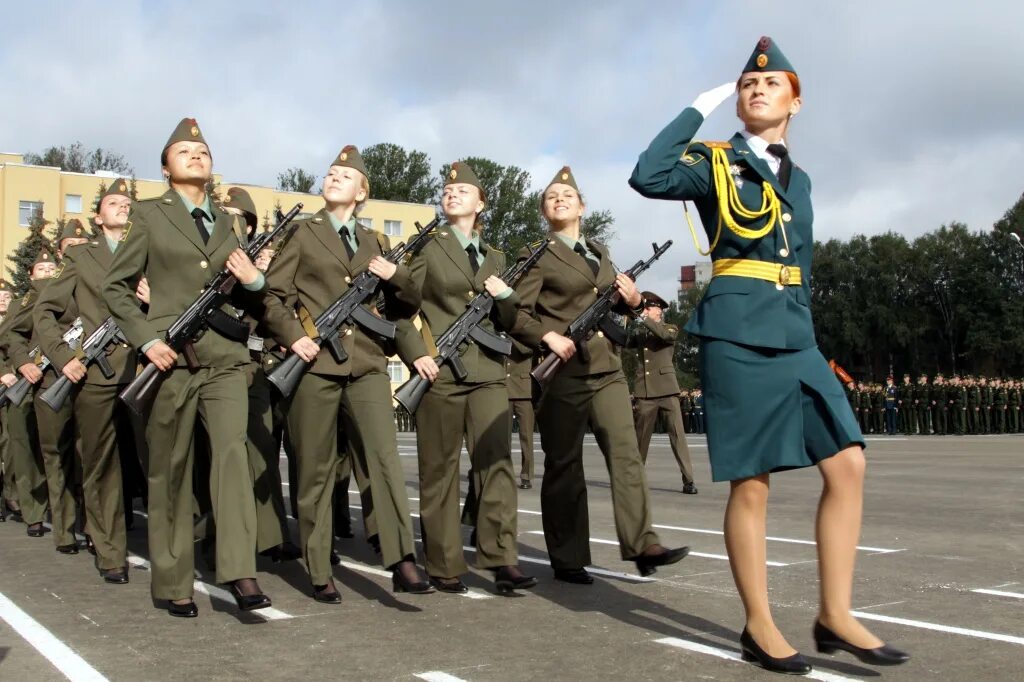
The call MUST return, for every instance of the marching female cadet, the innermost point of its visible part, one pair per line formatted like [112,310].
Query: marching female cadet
[450,271]
[590,390]
[760,366]
[313,268]
[179,240]
[103,422]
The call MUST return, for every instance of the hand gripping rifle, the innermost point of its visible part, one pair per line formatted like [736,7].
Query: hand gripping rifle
[348,309]
[593,318]
[466,327]
[94,352]
[204,312]
[16,393]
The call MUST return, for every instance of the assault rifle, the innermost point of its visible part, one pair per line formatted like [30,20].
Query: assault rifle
[94,352]
[466,327]
[593,318]
[16,393]
[204,312]
[348,309]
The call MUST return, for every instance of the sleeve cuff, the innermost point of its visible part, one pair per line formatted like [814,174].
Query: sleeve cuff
[260,282]
[503,295]
[146,346]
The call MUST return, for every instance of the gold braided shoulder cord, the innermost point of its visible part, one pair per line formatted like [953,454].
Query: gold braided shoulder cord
[729,204]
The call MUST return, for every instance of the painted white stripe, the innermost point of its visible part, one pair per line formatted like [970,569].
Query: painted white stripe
[215,592]
[880,550]
[734,656]
[590,569]
[1000,593]
[967,632]
[438,676]
[472,594]
[721,557]
[70,664]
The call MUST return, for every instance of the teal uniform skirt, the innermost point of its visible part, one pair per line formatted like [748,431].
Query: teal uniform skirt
[769,410]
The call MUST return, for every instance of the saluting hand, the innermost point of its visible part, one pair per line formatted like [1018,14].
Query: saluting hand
[74,370]
[31,372]
[427,368]
[708,101]
[241,267]
[162,355]
[561,346]
[495,286]
[306,349]
[627,290]
[382,267]
[142,291]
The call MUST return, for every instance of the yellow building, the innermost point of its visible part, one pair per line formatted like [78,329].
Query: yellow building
[25,189]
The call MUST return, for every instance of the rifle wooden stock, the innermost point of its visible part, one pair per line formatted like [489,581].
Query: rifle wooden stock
[410,394]
[139,394]
[544,372]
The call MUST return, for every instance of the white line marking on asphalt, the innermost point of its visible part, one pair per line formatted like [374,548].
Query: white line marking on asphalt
[89,619]
[734,656]
[590,569]
[879,550]
[70,664]
[438,676]
[215,592]
[1000,593]
[967,632]
[704,555]
[355,566]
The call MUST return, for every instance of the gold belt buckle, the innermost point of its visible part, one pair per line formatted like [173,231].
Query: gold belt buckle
[784,277]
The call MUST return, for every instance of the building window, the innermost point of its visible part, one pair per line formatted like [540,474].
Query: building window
[365,222]
[72,203]
[393,228]
[27,209]
[395,371]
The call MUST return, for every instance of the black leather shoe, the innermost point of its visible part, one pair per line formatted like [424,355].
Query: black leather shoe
[752,653]
[576,576]
[249,602]
[451,585]
[88,545]
[286,551]
[35,530]
[399,584]
[68,549]
[648,564]
[326,594]
[689,489]
[188,610]
[829,642]
[114,576]
[335,558]
[505,582]
[525,484]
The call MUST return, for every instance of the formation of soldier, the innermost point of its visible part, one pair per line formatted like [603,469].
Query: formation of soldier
[958,405]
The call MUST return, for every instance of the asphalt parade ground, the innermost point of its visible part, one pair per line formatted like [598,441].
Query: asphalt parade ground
[940,573]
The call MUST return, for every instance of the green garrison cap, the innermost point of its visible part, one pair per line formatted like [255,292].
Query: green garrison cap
[564,177]
[186,131]
[768,57]
[118,187]
[72,230]
[44,257]
[4,286]
[463,172]
[240,199]
[349,157]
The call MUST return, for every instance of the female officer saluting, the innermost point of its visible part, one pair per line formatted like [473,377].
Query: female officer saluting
[760,365]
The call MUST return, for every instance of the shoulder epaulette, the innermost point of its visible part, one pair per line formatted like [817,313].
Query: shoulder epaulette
[716,144]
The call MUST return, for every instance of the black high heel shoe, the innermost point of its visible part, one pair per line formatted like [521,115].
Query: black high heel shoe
[249,602]
[790,665]
[647,564]
[322,595]
[505,581]
[400,584]
[188,610]
[829,642]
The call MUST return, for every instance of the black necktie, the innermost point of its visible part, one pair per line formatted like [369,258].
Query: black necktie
[780,152]
[583,254]
[197,215]
[346,242]
[471,252]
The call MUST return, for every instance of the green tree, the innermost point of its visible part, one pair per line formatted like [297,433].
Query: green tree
[396,174]
[39,237]
[598,225]
[685,355]
[75,158]
[296,180]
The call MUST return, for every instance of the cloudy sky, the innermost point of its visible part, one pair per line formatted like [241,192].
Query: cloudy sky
[911,118]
